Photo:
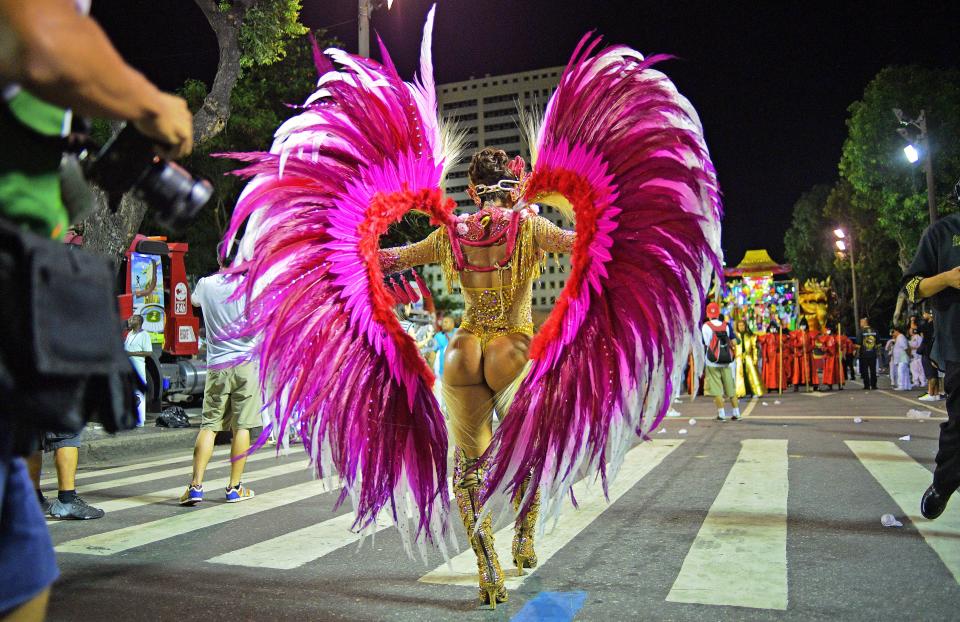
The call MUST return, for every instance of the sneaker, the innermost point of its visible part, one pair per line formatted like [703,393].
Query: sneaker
[45,505]
[926,397]
[723,418]
[735,416]
[238,493]
[74,510]
[192,496]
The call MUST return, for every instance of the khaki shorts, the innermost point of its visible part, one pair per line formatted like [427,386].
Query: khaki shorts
[719,382]
[231,399]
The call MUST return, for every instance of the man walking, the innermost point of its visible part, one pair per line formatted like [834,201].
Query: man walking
[935,274]
[719,381]
[867,354]
[231,395]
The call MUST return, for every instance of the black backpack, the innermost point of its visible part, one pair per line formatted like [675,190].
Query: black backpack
[720,350]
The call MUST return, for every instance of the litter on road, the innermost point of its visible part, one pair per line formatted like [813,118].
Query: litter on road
[918,414]
[889,520]
[905,438]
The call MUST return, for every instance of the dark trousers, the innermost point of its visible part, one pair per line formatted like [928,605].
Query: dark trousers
[946,477]
[868,371]
[849,367]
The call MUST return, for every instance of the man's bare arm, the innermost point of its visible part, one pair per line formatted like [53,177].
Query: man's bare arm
[65,58]
[936,284]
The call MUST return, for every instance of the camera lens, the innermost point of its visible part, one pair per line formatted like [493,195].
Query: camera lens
[174,193]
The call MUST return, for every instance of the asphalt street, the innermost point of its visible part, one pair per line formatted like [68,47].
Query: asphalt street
[774,517]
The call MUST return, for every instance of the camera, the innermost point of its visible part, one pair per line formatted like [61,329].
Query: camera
[128,161]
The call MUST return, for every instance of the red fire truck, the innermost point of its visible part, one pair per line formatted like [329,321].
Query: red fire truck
[155,286]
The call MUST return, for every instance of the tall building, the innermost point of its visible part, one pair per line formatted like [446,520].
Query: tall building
[487,108]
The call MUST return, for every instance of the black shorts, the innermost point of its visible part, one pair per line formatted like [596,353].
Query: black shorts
[929,369]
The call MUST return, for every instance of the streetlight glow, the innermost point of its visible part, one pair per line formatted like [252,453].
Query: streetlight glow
[841,245]
[389,4]
[913,156]
[840,233]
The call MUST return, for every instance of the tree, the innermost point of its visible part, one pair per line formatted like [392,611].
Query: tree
[806,245]
[873,160]
[250,34]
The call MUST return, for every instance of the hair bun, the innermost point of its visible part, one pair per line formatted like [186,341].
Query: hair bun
[490,166]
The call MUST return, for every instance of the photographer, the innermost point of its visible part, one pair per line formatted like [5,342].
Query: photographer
[52,57]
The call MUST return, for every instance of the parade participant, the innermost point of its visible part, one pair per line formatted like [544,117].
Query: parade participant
[831,369]
[848,349]
[139,348]
[801,345]
[619,152]
[748,353]
[775,358]
[867,350]
[934,274]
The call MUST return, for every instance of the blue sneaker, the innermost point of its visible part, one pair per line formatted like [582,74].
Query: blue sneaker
[238,493]
[192,496]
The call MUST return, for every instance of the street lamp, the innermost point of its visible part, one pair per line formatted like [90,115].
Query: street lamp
[845,244]
[913,154]
[365,9]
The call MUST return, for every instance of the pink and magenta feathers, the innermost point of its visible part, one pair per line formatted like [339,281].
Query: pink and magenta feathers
[626,152]
[618,147]
[335,361]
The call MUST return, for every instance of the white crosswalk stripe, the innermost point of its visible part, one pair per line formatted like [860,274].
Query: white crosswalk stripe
[905,479]
[119,540]
[172,494]
[744,535]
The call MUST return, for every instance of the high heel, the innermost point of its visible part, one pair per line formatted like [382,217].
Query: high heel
[468,476]
[523,554]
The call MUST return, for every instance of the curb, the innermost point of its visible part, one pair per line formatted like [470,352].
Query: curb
[96,445]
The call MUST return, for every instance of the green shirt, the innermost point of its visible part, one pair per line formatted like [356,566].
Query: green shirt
[29,167]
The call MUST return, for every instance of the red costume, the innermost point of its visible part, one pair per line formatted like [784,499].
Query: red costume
[776,357]
[801,344]
[828,344]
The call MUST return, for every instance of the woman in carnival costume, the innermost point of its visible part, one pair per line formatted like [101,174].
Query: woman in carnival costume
[618,151]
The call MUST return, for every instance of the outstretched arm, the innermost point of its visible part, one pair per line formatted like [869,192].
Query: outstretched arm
[400,258]
[550,238]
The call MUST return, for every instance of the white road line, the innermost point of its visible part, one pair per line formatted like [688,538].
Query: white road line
[149,477]
[172,494]
[739,556]
[296,548]
[750,406]
[119,540]
[905,479]
[914,402]
[638,462]
[132,467]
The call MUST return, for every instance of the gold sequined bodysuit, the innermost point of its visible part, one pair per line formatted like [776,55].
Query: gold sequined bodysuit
[504,307]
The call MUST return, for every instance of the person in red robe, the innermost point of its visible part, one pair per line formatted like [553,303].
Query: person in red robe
[829,346]
[801,344]
[775,358]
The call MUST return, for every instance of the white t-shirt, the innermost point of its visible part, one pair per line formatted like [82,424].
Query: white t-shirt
[707,334]
[220,315]
[138,342]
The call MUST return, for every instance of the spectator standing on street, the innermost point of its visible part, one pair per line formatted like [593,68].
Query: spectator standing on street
[719,344]
[935,274]
[54,57]
[867,354]
[231,395]
[900,361]
[930,371]
[917,379]
[139,348]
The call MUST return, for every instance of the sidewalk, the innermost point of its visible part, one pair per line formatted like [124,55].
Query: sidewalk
[97,445]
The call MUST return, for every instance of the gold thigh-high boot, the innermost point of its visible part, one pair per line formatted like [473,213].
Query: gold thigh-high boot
[468,481]
[523,554]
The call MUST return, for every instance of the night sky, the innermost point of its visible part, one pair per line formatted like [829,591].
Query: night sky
[771,81]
